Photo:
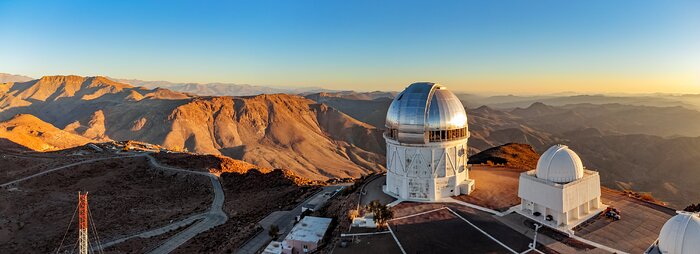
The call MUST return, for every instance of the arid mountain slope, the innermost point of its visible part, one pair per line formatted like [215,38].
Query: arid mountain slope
[359,106]
[31,132]
[669,168]
[277,131]
[511,155]
[613,119]
[607,137]
[271,131]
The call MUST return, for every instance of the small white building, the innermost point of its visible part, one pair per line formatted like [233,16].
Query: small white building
[560,191]
[426,144]
[679,235]
[273,247]
[305,237]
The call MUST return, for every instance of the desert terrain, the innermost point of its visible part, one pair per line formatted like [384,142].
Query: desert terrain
[339,134]
[271,131]
[634,142]
[125,196]
[130,197]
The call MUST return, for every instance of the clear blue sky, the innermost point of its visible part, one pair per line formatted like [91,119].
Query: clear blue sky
[477,46]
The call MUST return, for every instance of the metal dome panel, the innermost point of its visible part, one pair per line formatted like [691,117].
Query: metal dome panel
[424,107]
[445,111]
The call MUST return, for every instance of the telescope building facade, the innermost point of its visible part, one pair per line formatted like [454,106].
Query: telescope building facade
[426,142]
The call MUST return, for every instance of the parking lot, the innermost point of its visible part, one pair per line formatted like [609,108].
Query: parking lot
[448,228]
[639,227]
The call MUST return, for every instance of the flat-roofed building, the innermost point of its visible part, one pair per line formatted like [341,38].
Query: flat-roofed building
[560,191]
[306,235]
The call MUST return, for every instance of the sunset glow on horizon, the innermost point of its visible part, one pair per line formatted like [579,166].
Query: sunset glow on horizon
[502,47]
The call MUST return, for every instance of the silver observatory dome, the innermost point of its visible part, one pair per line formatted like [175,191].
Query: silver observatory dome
[426,112]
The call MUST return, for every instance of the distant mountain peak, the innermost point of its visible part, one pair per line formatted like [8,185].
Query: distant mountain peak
[539,105]
[7,78]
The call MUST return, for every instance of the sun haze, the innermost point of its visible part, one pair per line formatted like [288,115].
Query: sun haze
[472,46]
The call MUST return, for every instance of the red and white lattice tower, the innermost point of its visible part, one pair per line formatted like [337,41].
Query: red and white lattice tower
[83,223]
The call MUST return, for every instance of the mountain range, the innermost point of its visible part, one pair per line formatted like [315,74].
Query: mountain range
[273,131]
[324,135]
[220,89]
[637,147]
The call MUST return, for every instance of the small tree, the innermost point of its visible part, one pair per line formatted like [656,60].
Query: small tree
[352,214]
[382,213]
[382,216]
[374,206]
[693,208]
[274,231]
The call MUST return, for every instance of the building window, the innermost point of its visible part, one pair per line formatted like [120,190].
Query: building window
[392,134]
[447,135]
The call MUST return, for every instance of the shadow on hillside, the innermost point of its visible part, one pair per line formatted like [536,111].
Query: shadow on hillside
[9,145]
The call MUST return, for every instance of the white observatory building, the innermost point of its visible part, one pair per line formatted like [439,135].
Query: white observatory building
[426,141]
[560,191]
[679,235]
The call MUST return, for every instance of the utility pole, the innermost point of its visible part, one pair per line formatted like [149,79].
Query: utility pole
[533,245]
[83,223]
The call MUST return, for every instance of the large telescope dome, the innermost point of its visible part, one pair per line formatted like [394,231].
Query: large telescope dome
[681,234]
[426,112]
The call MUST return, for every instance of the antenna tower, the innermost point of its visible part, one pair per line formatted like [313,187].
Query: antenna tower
[83,223]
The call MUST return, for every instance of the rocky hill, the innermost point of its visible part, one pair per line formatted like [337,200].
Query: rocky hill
[215,164]
[511,155]
[33,133]
[270,131]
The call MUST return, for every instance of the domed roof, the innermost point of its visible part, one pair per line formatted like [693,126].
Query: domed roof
[422,107]
[680,234]
[559,164]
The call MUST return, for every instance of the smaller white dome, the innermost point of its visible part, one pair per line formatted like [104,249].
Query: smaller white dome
[680,234]
[559,164]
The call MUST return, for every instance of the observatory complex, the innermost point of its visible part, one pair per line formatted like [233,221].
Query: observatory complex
[560,190]
[426,142]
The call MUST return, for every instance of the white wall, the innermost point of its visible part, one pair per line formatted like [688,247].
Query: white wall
[426,172]
[565,202]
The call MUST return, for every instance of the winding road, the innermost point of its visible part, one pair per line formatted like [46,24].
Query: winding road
[215,216]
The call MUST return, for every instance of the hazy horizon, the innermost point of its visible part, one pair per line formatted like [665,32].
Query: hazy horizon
[630,47]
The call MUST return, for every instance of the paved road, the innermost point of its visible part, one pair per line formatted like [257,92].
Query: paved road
[64,167]
[158,231]
[285,222]
[202,222]
[372,190]
[214,217]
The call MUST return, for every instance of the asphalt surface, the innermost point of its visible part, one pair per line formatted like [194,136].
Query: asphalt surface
[639,227]
[373,191]
[215,216]
[284,221]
